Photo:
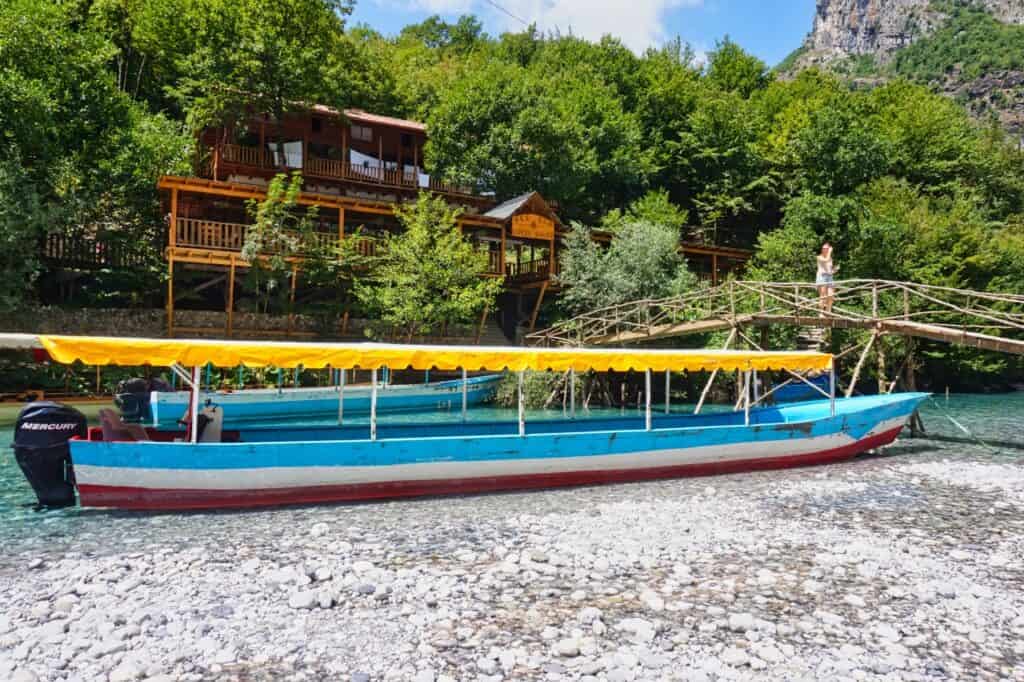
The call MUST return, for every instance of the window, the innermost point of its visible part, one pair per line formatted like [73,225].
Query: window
[363,133]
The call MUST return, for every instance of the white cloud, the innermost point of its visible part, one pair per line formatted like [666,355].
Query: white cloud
[639,24]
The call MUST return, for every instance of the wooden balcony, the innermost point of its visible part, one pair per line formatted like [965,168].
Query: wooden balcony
[337,170]
[538,269]
[82,252]
[220,236]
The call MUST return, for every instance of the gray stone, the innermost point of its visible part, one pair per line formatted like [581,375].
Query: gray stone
[568,648]
[488,666]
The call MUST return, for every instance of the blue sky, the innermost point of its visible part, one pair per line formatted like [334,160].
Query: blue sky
[771,29]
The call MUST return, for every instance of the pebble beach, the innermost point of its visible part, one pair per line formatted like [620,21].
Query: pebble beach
[907,565]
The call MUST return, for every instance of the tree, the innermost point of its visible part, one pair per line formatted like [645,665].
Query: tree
[429,275]
[642,261]
[279,234]
[731,69]
[270,57]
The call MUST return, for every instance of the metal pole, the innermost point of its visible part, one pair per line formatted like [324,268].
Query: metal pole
[754,388]
[341,397]
[572,393]
[373,404]
[519,401]
[464,394]
[832,387]
[194,417]
[746,398]
[668,386]
[647,400]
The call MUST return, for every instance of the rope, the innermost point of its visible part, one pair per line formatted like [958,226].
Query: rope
[967,432]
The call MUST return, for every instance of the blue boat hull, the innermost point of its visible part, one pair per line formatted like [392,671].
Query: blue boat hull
[287,466]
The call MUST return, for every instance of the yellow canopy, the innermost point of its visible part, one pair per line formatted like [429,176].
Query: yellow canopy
[190,353]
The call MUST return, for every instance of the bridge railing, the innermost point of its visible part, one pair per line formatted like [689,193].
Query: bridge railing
[941,313]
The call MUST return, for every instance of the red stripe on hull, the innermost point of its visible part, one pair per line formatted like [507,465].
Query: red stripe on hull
[161,499]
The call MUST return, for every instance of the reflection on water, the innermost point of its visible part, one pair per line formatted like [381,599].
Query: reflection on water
[994,423]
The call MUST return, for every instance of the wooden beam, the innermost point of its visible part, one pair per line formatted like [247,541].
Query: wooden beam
[536,307]
[483,322]
[202,287]
[231,298]
[172,237]
[341,223]
[170,296]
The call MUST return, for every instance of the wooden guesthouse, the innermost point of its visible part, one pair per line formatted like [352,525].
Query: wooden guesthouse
[356,166]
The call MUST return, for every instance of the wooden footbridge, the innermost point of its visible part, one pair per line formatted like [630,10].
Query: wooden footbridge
[977,319]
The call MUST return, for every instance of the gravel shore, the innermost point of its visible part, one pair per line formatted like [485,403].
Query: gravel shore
[907,566]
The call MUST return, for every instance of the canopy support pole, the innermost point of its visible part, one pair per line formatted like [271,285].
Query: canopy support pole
[572,393]
[465,397]
[194,408]
[753,387]
[341,397]
[832,387]
[519,401]
[746,398]
[668,386]
[373,404]
[647,400]
[714,373]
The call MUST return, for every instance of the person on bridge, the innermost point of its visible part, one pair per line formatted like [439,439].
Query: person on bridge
[826,272]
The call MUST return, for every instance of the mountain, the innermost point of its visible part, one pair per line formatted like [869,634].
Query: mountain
[970,50]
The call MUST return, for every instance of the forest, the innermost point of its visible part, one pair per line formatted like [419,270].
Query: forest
[100,97]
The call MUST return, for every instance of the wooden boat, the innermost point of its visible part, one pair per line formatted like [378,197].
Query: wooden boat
[251,467]
[322,402]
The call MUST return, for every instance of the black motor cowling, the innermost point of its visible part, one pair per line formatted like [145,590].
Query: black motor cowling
[41,448]
[133,395]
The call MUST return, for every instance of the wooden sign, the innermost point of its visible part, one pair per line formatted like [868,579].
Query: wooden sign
[533,226]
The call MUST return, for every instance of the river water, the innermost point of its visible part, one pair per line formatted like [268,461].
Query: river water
[973,427]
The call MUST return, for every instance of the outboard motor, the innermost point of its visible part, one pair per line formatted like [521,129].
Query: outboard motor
[133,397]
[41,448]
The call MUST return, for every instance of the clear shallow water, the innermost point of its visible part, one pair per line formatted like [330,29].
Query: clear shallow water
[995,423]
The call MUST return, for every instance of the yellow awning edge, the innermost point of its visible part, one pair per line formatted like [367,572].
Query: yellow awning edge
[224,353]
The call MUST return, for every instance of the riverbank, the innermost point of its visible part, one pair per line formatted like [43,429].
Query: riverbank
[903,566]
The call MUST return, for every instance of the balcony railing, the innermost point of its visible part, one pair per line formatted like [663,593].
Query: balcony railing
[90,252]
[337,169]
[221,236]
[538,268]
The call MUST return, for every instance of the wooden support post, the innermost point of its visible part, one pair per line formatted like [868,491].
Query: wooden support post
[483,322]
[714,269]
[880,353]
[380,154]
[172,236]
[98,382]
[501,260]
[291,299]
[231,297]
[170,296]
[344,149]
[341,224]
[536,308]
[714,373]
[860,364]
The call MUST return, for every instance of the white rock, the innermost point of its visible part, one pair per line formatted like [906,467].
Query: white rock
[305,599]
[66,602]
[568,648]
[741,622]
[589,614]
[488,666]
[855,600]
[735,657]
[769,653]
[319,530]
[652,600]
[977,636]
[126,672]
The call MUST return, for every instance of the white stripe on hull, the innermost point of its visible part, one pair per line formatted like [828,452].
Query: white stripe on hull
[268,478]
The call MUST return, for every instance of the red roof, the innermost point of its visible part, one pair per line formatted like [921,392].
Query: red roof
[360,116]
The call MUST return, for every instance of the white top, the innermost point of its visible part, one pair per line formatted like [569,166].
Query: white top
[825,265]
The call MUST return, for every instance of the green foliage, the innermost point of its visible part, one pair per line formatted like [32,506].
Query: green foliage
[280,232]
[731,69]
[642,261]
[971,42]
[429,275]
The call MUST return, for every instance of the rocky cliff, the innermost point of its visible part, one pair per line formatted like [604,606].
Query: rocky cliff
[845,28]
[951,45]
